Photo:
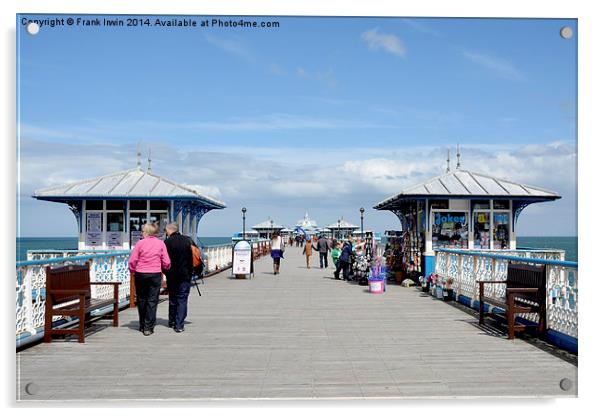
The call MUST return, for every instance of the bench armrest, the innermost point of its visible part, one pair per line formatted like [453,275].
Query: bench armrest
[68,292]
[105,283]
[522,290]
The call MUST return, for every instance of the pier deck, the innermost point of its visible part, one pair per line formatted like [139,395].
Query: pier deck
[299,335]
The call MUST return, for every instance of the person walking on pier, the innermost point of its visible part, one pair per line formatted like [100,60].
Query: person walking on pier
[307,251]
[323,248]
[178,276]
[277,250]
[148,258]
[336,253]
[345,258]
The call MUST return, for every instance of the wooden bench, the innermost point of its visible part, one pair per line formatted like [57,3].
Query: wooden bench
[68,293]
[525,293]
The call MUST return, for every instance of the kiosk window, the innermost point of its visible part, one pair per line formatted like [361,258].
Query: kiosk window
[114,221]
[501,230]
[450,229]
[137,220]
[481,229]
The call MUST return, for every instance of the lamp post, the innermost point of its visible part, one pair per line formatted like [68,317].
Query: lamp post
[362,210]
[339,232]
[271,228]
[244,211]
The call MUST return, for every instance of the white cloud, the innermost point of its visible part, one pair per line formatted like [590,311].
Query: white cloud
[285,181]
[389,43]
[498,66]
[231,45]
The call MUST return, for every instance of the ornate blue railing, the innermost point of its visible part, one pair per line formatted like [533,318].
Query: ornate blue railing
[31,283]
[466,267]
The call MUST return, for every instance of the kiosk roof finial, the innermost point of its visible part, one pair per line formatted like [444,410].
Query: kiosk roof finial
[138,155]
[458,156]
[148,168]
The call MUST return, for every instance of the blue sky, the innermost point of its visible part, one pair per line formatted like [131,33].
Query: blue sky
[320,114]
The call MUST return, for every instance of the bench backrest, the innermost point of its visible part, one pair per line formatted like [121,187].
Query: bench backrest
[67,277]
[528,276]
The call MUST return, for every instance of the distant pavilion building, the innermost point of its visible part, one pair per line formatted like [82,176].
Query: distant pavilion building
[341,229]
[460,209]
[110,210]
[267,227]
[310,226]
[286,233]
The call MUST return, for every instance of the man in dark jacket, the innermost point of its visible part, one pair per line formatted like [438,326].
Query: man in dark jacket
[323,248]
[178,276]
[345,258]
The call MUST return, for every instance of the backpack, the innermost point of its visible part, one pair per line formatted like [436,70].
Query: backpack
[197,259]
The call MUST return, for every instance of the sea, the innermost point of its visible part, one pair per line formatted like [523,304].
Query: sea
[568,244]
[70,243]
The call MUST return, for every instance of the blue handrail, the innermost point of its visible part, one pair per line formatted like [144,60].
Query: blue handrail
[72,258]
[571,264]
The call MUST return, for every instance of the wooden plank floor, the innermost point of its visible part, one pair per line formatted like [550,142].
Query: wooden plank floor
[298,335]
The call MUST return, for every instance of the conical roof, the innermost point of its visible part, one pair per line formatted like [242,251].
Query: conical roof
[130,184]
[462,183]
[268,224]
[344,224]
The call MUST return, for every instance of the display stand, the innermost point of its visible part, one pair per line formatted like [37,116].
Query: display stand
[242,260]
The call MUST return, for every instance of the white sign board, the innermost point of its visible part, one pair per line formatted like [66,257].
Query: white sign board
[93,239]
[114,239]
[135,236]
[94,222]
[241,259]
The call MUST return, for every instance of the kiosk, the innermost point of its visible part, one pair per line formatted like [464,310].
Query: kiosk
[459,209]
[111,210]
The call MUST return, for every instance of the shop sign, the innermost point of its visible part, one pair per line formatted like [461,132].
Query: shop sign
[450,217]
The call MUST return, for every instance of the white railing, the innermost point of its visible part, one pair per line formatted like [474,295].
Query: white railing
[31,283]
[219,257]
[466,267]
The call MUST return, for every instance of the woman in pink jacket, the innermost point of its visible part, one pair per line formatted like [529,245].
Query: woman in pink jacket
[149,257]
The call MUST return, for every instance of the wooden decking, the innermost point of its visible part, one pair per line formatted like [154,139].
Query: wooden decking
[298,335]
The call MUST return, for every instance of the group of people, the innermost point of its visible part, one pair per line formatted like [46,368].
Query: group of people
[345,254]
[150,258]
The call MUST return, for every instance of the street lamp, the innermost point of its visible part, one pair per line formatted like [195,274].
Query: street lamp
[271,228]
[339,232]
[362,210]
[244,211]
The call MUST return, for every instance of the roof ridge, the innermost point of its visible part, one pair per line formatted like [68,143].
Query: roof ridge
[515,183]
[477,182]
[462,183]
[70,185]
